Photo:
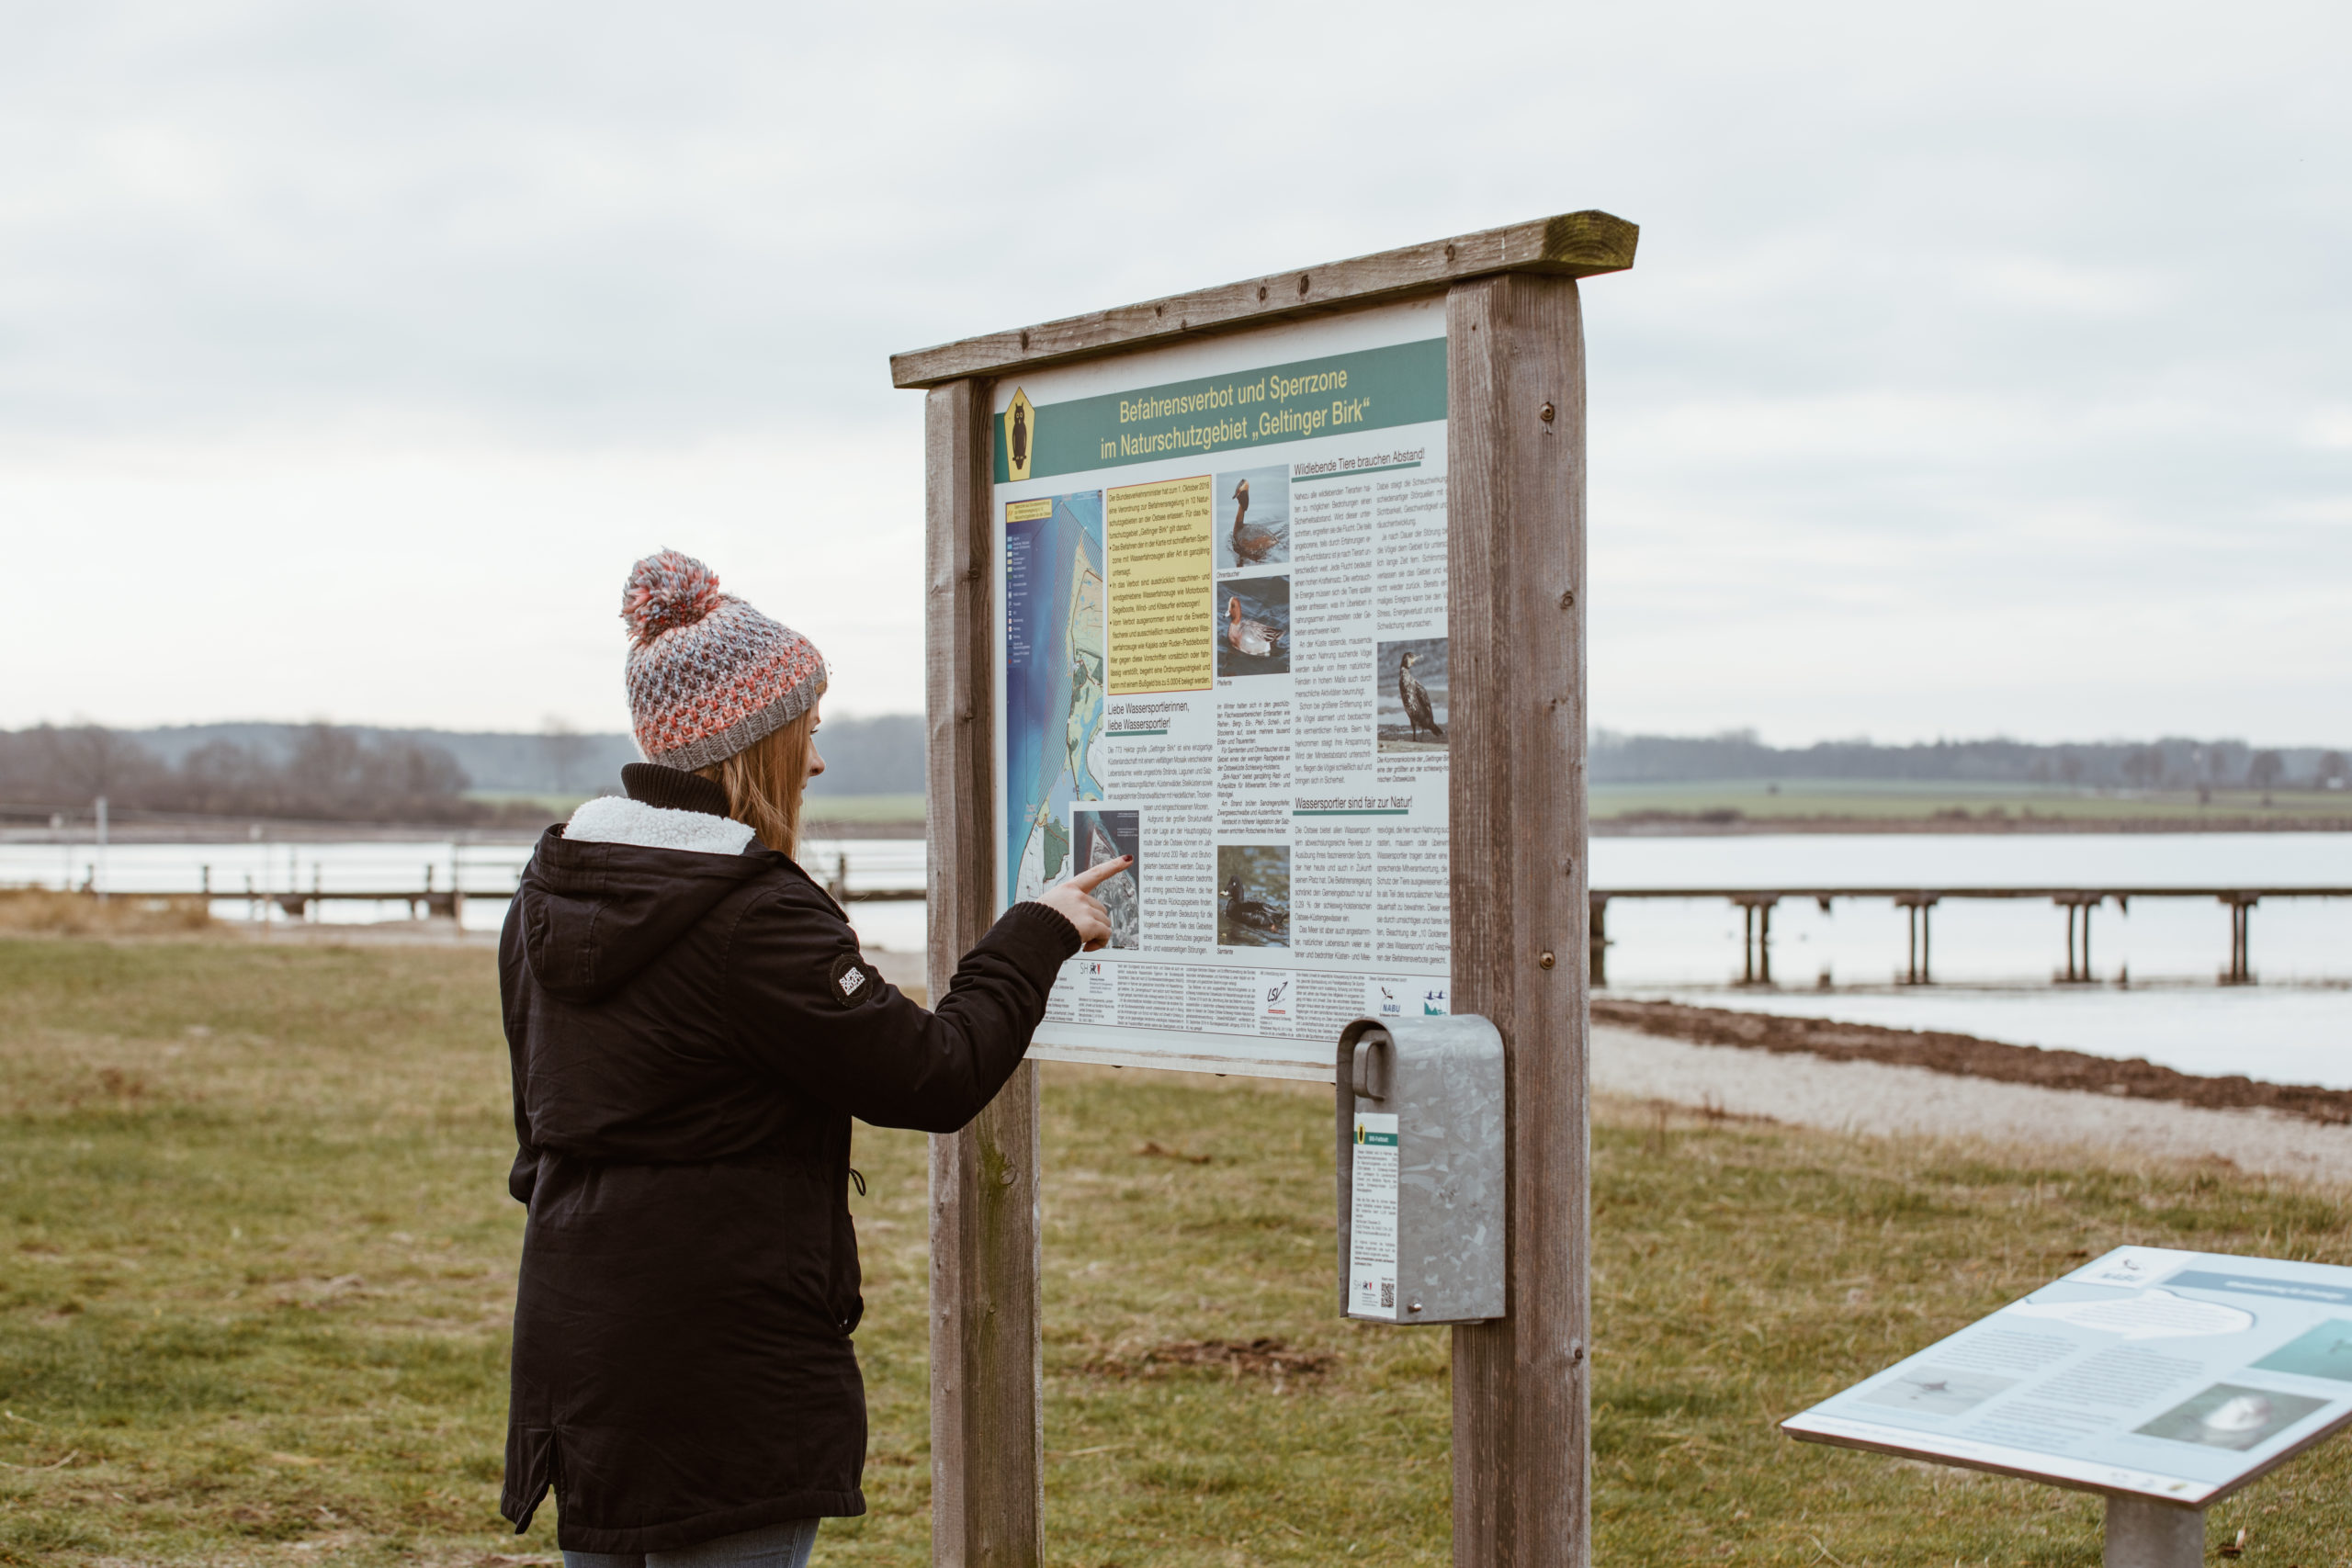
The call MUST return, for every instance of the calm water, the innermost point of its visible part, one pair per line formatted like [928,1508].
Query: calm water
[2157,966]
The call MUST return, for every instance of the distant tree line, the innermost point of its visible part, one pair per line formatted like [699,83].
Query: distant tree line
[878,755]
[2173,763]
[323,772]
[348,773]
[334,773]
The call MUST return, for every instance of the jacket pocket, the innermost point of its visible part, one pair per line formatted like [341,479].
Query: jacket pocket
[844,1299]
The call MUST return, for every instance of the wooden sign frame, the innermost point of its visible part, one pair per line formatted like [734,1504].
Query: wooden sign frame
[1515,514]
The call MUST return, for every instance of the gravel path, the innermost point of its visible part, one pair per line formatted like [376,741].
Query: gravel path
[1887,1101]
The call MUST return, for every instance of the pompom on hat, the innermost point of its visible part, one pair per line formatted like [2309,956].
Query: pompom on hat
[708,676]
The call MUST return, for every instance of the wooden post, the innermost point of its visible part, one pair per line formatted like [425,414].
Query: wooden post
[986,1370]
[1515,616]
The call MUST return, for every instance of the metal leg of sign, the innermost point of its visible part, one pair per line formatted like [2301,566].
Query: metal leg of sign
[1515,618]
[987,1402]
[2145,1533]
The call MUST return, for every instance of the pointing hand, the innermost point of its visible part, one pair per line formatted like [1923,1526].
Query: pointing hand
[1074,900]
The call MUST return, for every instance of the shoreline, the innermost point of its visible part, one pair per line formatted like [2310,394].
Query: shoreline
[1972,1057]
[1942,1052]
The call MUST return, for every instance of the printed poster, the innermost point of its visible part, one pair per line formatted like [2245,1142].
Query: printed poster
[1222,649]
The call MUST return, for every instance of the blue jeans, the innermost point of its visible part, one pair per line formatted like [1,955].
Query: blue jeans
[771,1546]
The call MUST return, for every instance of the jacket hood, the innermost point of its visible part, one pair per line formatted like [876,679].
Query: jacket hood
[595,909]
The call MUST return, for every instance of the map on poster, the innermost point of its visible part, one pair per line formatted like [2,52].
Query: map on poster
[2148,1372]
[1053,697]
[1222,649]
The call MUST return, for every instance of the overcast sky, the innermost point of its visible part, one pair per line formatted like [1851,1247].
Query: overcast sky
[1985,369]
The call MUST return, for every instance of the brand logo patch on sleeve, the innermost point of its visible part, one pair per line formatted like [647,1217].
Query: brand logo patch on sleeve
[852,981]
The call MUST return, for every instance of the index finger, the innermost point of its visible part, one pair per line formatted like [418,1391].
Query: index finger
[1087,881]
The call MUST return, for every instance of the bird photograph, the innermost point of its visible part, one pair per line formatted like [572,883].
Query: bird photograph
[1253,618]
[1258,530]
[1254,909]
[2231,1416]
[1937,1390]
[1409,707]
[1416,698]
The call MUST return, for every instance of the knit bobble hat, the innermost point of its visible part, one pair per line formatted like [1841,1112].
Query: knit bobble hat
[708,676]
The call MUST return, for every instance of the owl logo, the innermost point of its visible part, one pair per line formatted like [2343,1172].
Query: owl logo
[1020,436]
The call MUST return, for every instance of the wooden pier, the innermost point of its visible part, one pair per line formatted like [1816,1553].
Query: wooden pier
[1755,904]
[1756,916]
[431,900]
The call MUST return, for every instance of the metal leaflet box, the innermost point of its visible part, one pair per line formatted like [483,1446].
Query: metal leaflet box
[1420,1170]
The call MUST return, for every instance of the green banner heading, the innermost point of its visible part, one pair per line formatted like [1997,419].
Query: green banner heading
[1372,389]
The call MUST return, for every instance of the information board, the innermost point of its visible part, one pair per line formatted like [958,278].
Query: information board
[1221,648]
[2153,1373]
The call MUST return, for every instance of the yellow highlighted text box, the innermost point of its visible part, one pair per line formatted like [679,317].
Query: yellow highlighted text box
[1158,538]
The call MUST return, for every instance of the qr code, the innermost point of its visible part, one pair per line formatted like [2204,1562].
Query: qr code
[1388,1295]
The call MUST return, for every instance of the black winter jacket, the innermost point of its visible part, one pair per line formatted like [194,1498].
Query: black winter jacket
[691,1027]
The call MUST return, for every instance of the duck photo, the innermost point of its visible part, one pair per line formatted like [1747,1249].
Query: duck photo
[1409,708]
[1253,905]
[1253,624]
[1254,518]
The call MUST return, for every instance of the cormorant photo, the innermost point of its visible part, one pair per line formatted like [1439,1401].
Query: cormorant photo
[1416,698]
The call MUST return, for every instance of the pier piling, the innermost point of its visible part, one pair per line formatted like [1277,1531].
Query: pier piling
[2241,970]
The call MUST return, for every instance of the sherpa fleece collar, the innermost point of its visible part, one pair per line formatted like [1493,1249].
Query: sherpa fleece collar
[612,819]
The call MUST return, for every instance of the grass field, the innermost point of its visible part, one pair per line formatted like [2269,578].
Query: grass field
[1951,803]
[257,1265]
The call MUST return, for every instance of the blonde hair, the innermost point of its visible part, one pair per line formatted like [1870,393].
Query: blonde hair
[763,782]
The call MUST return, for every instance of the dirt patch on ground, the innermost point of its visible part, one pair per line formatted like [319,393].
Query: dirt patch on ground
[1255,1358]
[1964,1056]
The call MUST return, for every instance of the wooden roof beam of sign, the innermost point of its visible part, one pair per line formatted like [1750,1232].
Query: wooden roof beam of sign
[1574,244]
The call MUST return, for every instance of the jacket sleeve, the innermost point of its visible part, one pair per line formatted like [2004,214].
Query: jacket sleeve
[514,980]
[809,1009]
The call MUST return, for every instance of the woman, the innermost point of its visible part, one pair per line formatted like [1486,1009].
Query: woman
[691,1027]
